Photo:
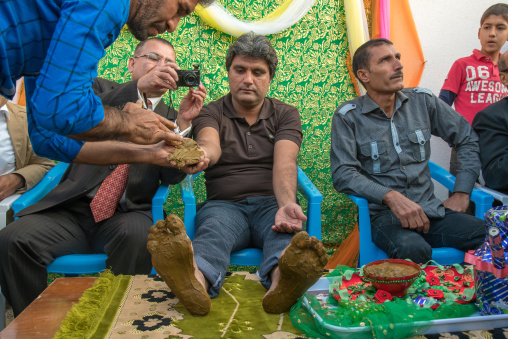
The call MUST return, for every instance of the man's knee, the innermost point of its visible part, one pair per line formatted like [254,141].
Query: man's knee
[134,233]
[12,237]
[397,242]
[419,252]
[125,232]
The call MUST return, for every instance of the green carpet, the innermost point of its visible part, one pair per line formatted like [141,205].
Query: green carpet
[144,307]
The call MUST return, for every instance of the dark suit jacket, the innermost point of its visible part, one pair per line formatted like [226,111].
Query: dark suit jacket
[143,181]
[491,125]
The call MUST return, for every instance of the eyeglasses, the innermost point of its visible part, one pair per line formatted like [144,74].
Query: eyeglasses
[154,57]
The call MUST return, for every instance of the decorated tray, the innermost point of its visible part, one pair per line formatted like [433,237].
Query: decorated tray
[473,322]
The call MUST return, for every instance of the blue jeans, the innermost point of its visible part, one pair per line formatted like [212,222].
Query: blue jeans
[223,227]
[457,230]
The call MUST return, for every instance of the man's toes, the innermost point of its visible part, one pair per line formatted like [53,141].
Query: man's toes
[315,243]
[175,224]
[300,239]
[160,224]
[154,234]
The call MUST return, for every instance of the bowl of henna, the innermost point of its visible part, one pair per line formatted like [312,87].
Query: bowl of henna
[392,275]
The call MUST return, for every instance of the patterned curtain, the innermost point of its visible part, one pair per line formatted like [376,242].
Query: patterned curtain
[312,75]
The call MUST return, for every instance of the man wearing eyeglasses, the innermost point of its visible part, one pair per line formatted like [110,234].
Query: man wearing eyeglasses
[153,62]
[66,220]
[55,46]
[491,125]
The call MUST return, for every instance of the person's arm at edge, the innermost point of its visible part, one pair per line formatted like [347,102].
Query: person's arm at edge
[116,152]
[35,170]
[447,96]
[133,123]
[451,85]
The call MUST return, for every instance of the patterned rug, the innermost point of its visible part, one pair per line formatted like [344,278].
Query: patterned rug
[148,309]
[144,307]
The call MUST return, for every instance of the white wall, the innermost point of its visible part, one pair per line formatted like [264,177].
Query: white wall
[448,30]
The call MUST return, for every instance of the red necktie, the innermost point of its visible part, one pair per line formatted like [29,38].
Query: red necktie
[149,105]
[103,204]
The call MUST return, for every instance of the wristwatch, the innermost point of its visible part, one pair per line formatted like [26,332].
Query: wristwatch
[183,133]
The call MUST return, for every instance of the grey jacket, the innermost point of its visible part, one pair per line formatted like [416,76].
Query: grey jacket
[372,154]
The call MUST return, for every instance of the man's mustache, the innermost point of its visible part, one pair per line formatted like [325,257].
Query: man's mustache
[397,74]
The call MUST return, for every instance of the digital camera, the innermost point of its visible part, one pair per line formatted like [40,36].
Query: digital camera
[188,78]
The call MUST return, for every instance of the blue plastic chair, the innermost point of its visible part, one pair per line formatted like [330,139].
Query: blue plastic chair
[253,256]
[444,255]
[74,264]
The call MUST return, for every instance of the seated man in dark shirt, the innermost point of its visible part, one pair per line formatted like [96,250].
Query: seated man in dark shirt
[491,124]
[252,142]
[381,149]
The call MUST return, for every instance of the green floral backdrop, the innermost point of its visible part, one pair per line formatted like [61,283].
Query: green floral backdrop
[312,75]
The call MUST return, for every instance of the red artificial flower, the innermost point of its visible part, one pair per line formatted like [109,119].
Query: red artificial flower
[462,301]
[433,280]
[381,296]
[436,294]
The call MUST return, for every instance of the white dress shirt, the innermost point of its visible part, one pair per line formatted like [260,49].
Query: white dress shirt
[155,102]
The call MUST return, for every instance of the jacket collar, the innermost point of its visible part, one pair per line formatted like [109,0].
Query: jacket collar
[369,106]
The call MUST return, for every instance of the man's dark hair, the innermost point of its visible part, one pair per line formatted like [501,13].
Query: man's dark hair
[497,9]
[140,46]
[254,46]
[206,3]
[362,56]
[501,64]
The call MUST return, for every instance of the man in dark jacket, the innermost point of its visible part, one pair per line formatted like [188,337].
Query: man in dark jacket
[491,125]
[76,216]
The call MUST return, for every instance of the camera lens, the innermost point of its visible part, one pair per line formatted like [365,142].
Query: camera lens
[190,78]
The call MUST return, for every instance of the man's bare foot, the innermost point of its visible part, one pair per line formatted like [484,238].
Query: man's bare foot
[301,264]
[173,259]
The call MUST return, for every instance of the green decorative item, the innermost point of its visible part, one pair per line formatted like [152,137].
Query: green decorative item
[349,309]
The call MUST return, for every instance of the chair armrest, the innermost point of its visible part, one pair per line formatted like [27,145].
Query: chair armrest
[307,188]
[48,182]
[497,195]
[314,198]
[368,250]
[363,216]
[482,200]
[442,176]
[6,204]
[158,201]
[189,201]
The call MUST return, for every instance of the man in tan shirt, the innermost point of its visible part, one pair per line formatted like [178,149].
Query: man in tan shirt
[24,169]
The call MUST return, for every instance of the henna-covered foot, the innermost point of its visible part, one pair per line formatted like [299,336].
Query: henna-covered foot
[301,264]
[173,259]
